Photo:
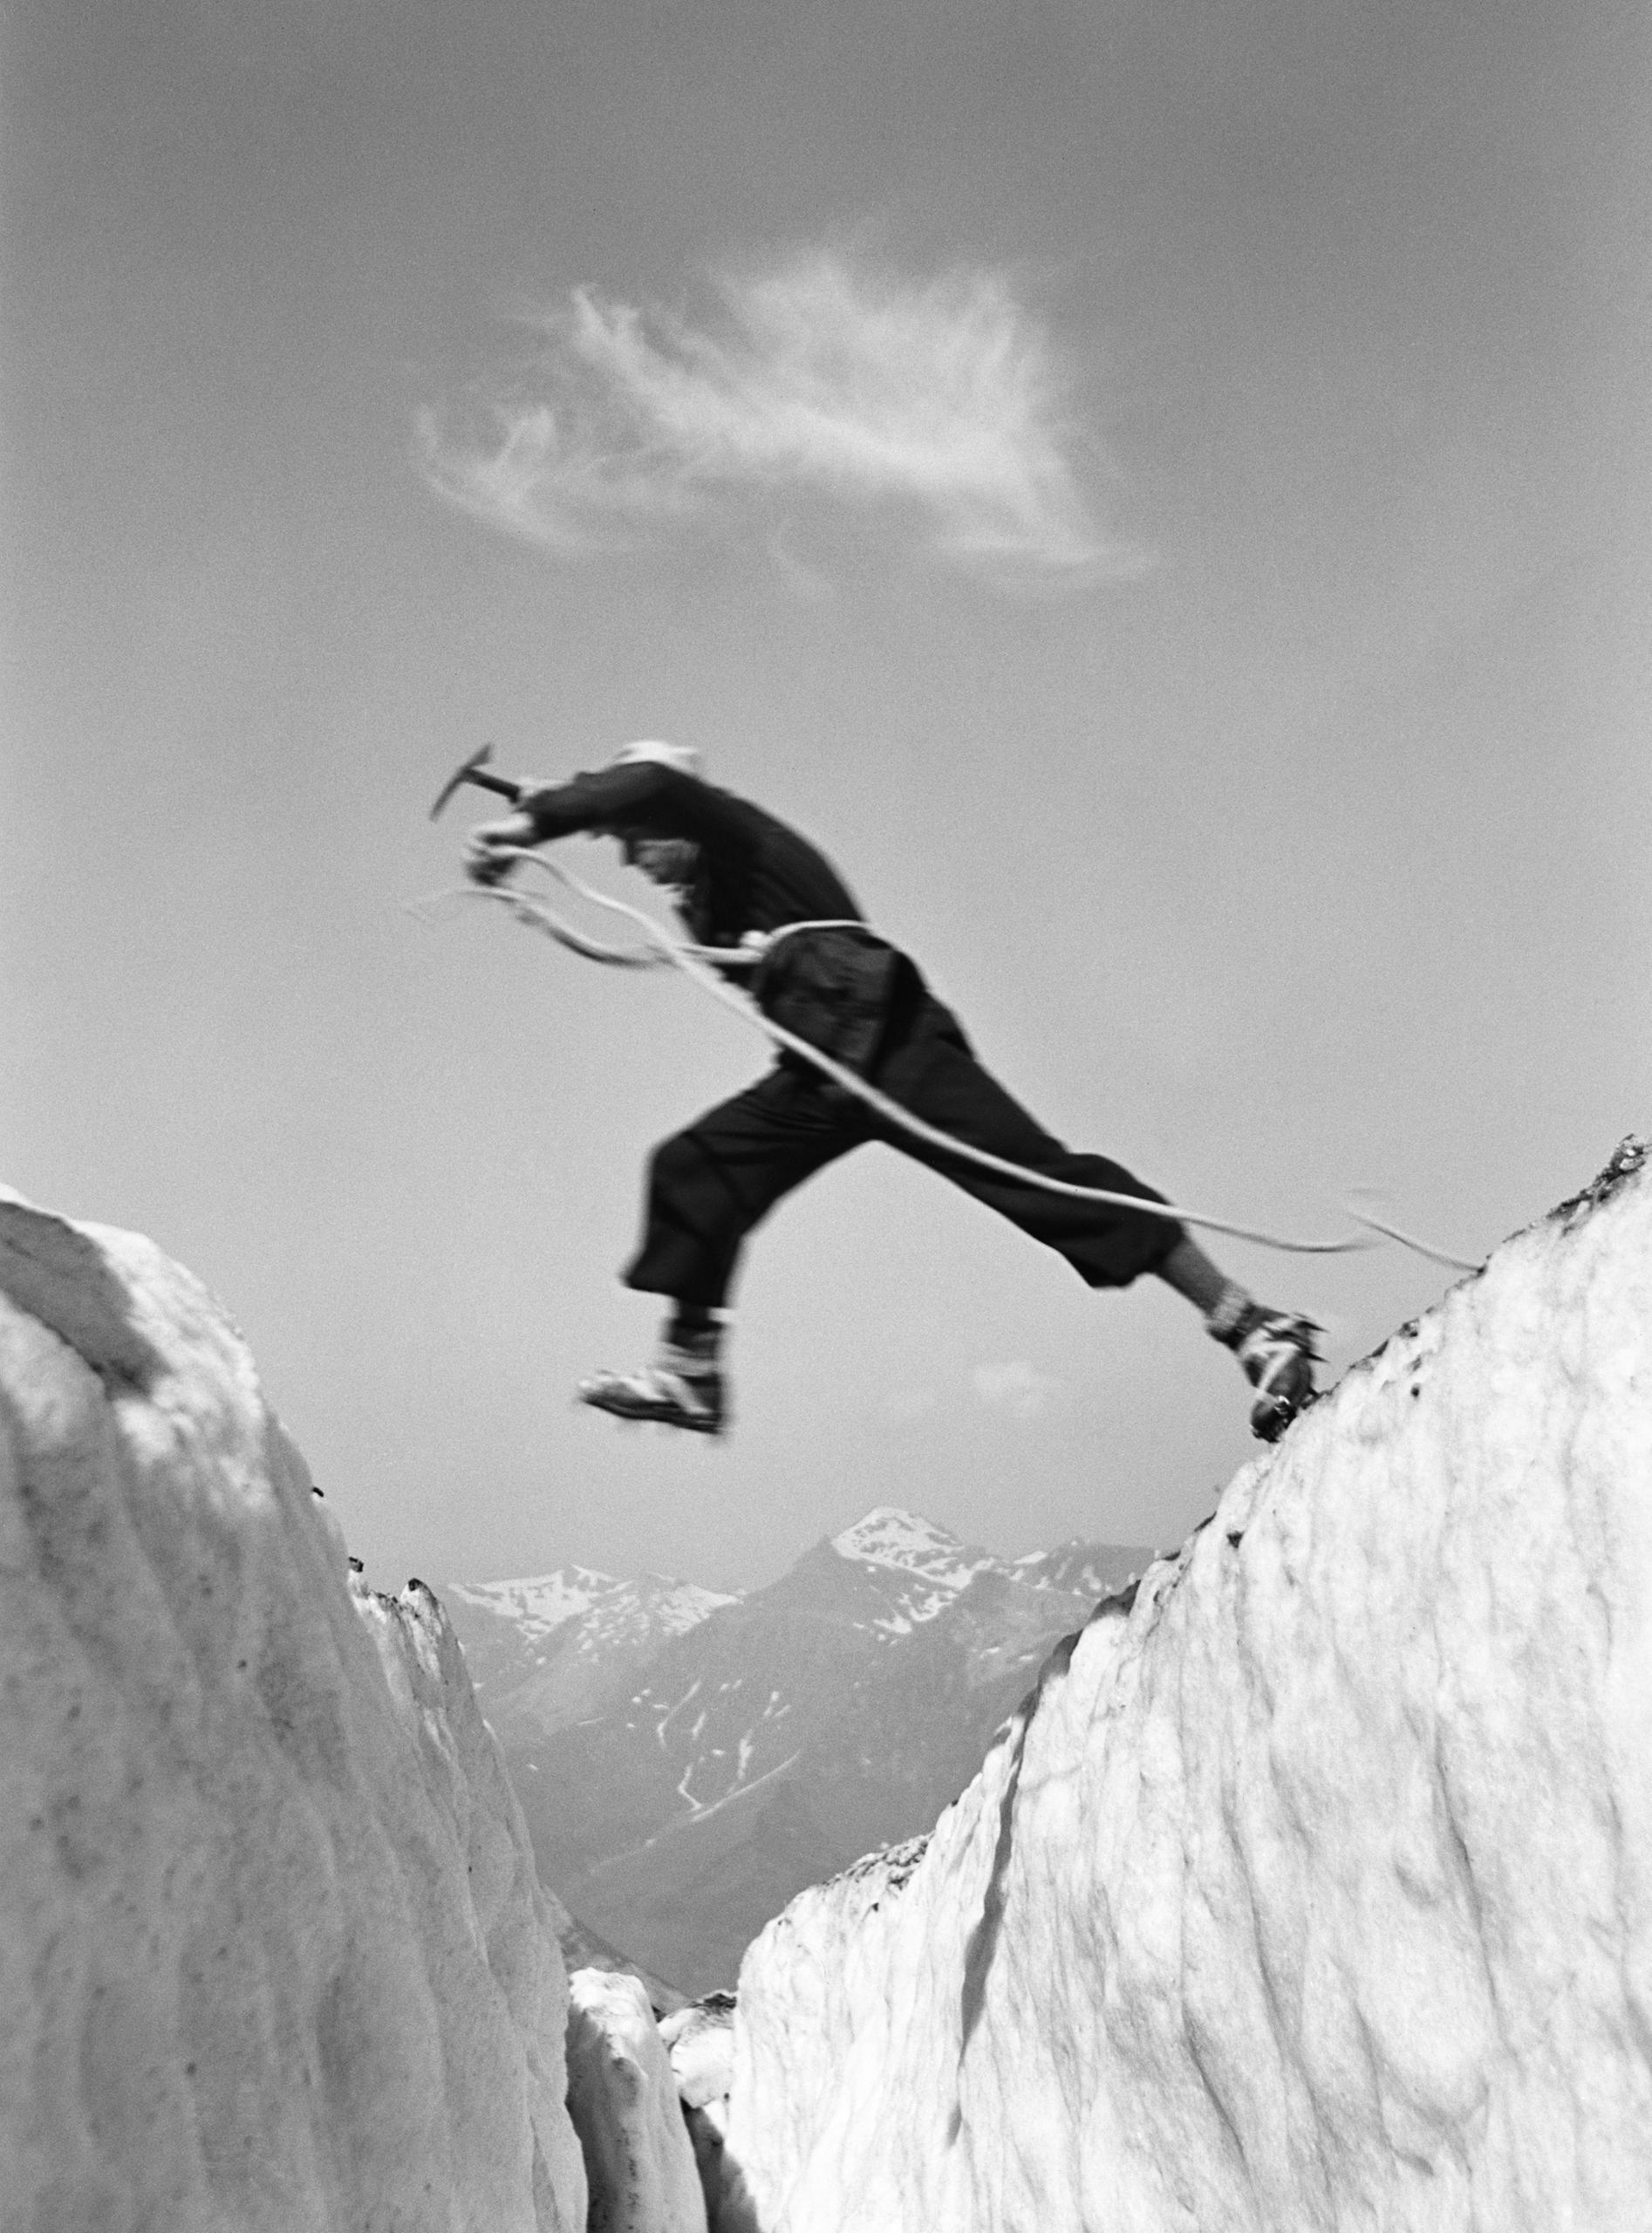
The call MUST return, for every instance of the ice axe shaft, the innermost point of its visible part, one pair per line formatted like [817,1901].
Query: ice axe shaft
[474,771]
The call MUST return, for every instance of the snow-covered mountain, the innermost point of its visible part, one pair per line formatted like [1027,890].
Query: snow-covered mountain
[688,1763]
[551,1649]
[905,1544]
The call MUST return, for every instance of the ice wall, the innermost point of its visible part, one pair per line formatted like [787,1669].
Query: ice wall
[700,2040]
[272,1950]
[621,2095]
[1314,1888]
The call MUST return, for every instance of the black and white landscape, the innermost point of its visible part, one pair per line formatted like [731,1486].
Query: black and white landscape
[687,1761]
[1143,510]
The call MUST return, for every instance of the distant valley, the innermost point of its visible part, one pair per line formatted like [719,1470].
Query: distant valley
[687,1761]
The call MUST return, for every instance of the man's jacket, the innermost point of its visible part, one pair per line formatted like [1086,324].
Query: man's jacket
[830,987]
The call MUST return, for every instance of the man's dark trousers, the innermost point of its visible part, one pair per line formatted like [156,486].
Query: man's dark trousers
[711,1183]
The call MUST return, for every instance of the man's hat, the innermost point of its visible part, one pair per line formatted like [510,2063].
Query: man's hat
[685,758]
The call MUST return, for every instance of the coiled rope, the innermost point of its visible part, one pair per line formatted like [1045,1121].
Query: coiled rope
[702,965]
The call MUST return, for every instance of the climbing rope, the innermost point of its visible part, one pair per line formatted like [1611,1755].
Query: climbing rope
[1409,1240]
[661,949]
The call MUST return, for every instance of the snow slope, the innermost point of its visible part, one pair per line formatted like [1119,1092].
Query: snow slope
[1313,1887]
[272,1950]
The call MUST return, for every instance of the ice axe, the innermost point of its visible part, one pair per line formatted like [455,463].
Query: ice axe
[475,771]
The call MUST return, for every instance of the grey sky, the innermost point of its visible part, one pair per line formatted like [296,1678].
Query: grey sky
[1303,846]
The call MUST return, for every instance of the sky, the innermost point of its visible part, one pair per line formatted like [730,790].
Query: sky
[1157,491]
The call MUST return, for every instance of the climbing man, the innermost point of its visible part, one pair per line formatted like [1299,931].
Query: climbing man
[742,880]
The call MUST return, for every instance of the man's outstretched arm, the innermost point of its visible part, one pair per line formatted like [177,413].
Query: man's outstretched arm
[642,793]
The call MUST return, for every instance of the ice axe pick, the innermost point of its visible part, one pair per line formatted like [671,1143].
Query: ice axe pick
[474,770]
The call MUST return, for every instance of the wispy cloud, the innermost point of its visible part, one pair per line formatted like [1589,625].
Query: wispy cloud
[943,407]
[1017,1389]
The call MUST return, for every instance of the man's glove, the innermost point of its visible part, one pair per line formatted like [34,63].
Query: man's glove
[486,854]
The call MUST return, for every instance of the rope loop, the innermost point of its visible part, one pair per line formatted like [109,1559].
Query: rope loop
[704,966]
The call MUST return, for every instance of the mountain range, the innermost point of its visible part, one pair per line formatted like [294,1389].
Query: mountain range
[689,1760]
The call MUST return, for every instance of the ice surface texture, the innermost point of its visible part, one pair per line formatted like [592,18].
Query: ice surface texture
[272,1951]
[623,2097]
[1313,1889]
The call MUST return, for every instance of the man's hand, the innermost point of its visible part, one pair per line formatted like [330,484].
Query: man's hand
[486,860]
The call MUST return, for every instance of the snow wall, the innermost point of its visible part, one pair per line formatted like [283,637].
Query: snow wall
[1313,1886]
[623,2097]
[273,1954]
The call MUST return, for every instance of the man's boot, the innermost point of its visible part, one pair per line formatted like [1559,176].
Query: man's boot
[1277,1355]
[682,1387]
